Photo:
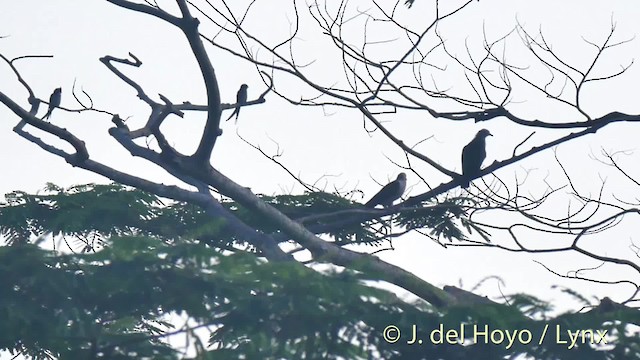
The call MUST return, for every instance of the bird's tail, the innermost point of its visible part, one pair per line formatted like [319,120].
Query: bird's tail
[48,114]
[464,182]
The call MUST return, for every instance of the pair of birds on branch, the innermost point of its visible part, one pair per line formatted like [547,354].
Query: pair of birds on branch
[241,100]
[473,154]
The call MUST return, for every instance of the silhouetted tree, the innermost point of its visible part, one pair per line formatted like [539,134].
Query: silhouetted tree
[157,258]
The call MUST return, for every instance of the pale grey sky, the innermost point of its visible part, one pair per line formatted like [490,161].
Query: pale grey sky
[331,140]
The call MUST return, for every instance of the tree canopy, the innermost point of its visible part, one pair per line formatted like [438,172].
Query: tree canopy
[197,264]
[142,259]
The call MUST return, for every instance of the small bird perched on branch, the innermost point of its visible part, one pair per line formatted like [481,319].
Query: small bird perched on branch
[473,154]
[241,100]
[389,193]
[54,101]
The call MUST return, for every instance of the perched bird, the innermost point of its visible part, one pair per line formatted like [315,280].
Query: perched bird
[241,99]
[54,101]
[389,193]
[472,157]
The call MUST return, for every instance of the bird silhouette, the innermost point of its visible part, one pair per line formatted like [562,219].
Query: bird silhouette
[473,155]
[389,193]
[54,101]
[241,100]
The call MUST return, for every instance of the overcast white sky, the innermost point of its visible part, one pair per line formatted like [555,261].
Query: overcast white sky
[332,141]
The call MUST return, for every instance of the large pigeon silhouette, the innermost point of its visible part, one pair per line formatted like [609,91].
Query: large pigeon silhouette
[389,193]
[472,157]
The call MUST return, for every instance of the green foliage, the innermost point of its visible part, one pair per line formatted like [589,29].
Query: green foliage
[160,264]
[89,213]
[442,219]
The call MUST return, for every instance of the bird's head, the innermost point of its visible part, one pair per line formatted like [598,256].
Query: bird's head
[483,133]
[244,86]
[402,177]
[57,90]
